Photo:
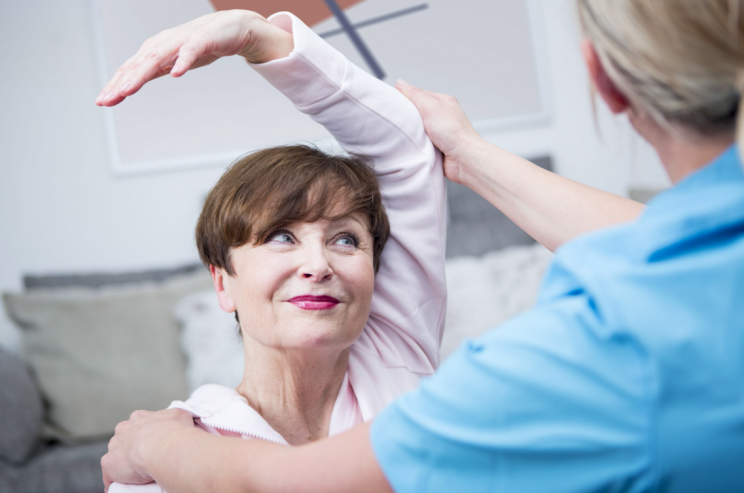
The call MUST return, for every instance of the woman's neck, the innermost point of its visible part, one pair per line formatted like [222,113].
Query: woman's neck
[293,390]
[682,151]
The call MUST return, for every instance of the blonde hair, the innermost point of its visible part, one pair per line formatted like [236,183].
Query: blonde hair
[681,61]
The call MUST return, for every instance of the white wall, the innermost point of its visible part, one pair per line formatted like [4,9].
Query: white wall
[62,210]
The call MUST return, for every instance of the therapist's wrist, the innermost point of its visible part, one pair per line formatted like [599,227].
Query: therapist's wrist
[473,161]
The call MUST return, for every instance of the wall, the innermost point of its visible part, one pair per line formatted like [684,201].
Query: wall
[62,210]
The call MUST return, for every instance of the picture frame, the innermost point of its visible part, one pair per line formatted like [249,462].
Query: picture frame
[214,115]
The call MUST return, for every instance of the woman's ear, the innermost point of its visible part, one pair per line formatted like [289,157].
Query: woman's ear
[616,100]
[221,282]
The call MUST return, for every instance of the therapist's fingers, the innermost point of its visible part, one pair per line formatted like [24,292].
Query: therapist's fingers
[410,91]
[441,113]
[446,125]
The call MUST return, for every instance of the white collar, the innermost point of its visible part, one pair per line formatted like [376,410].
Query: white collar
[225,409]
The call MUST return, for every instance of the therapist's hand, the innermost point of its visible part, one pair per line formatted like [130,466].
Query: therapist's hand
[196,44]
[136,439]
[449,129]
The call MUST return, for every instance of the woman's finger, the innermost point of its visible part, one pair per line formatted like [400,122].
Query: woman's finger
[154,60]
[106,92]
[151,61]
[187,55]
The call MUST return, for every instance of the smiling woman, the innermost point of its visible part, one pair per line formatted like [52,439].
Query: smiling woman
[334,328]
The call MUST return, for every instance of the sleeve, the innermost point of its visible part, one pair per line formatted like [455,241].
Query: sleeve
[368,117]
[544,402]
[135,488]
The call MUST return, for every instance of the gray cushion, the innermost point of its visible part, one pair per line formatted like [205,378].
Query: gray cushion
[21,411]
[99,354]
[97,280]
[8,478]
[63,469]
[476,227]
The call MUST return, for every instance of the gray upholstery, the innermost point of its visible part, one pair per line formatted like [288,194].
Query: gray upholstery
[64,469]
[21,410]
[54,468]
[8,478]
[96,280]
[476,227]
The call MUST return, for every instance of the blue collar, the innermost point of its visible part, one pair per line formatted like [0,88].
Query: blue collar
[726,168]
[708,200]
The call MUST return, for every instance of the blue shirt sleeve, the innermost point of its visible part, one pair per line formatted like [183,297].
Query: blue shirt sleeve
[549,401]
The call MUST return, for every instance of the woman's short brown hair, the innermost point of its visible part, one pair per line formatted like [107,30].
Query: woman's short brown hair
[272,188]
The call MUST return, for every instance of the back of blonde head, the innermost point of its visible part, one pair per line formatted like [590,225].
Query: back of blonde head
[681,61]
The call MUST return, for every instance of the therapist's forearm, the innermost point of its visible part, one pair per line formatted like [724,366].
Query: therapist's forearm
[191,461]
[550,208]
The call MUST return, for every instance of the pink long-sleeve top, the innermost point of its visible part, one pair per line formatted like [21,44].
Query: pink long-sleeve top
[400,342]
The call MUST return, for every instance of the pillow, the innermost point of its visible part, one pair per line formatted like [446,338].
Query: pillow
[484,291]
[21,409]
[99,354]
[210,341]
[96,280]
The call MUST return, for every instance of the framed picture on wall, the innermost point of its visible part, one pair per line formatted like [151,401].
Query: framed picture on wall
[490,54]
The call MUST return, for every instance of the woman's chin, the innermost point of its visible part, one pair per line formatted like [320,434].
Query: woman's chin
[319,336]
[321,341]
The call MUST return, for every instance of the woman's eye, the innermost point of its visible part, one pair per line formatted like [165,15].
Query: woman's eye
[347,240]
[281,238]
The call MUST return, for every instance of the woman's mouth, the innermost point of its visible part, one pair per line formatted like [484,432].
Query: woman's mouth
[308,302]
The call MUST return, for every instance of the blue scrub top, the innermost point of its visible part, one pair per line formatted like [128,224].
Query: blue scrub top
[628,374]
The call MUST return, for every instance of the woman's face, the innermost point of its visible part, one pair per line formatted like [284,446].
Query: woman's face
[308,286]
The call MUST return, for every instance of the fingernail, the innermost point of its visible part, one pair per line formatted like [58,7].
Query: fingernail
[106,96]
[126,86]
[403,83]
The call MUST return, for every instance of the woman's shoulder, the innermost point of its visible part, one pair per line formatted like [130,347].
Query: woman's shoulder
[208,400]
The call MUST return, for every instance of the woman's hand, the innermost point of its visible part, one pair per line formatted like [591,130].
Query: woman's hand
[196,44]
[448,128]
[135,439]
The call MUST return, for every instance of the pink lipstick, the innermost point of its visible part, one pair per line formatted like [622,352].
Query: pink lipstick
[308,302]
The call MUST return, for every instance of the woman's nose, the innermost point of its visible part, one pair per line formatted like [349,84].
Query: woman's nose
[315,265]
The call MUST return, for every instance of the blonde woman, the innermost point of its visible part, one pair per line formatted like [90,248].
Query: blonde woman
[627,375]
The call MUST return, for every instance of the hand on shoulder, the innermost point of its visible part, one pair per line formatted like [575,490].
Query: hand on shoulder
[135,440]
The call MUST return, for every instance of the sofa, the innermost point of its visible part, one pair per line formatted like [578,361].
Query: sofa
[95,347]
[28,463]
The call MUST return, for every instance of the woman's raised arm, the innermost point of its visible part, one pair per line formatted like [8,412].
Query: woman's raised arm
[550,208]
[366,116]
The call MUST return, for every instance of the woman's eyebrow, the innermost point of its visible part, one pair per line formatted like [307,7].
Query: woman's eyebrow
[346,219]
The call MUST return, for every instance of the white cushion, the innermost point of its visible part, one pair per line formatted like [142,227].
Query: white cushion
[484,291]
[210,341]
